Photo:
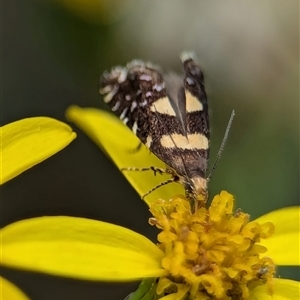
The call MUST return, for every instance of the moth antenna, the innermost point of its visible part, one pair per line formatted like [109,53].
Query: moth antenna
[173,179]
[222,144]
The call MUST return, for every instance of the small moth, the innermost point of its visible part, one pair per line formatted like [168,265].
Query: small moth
[169,114]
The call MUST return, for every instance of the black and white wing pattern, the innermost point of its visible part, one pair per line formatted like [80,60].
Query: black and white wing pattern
[169,114]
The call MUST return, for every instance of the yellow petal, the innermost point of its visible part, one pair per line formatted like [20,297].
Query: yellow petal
[79,248]
[121,144]
[9,291]
[27,142]
[283,289]
[284,245]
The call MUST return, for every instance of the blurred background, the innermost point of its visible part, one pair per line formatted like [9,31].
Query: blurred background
[53,53]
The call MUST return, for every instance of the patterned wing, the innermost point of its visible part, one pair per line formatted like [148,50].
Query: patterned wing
[130,91]
[169,115]
[181,138]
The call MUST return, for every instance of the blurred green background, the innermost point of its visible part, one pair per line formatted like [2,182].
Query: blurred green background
[53,53]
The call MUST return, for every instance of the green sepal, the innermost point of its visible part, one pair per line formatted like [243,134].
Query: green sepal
[145,291]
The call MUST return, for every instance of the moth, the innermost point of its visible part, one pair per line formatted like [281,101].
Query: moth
[169,114]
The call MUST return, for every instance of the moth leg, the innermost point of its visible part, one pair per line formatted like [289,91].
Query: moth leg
[154,169]
[160,185]
[136,149]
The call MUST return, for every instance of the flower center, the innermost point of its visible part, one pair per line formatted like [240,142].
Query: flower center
[211,253]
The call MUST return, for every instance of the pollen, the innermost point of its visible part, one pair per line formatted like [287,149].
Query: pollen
[212,253]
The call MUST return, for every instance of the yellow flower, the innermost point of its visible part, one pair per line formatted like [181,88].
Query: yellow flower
[213,253]
[25,143]
[94,250]
[210,254]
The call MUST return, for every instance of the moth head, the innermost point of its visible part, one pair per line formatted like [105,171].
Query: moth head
[199,185]
[198,188]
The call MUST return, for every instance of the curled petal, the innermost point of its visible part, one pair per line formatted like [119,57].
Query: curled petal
[284,245]
[27,142]
[79,248]
[125,149]
[10,292]
[283,289]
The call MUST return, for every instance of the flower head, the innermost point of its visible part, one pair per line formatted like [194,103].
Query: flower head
[199,256]
[213,251]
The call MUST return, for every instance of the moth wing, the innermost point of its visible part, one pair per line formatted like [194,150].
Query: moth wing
[182,139]
[130,91]
[195,96]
